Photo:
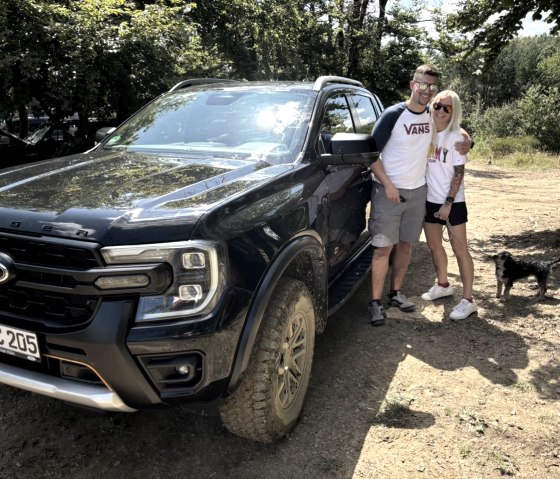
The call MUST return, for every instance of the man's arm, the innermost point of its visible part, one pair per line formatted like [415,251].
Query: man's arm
[381,134]
[464,146]
[390,190]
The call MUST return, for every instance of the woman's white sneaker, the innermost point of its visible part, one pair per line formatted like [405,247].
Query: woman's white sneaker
[437,291]
[463,310]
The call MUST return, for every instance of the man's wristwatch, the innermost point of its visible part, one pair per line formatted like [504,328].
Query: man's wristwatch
[449,199]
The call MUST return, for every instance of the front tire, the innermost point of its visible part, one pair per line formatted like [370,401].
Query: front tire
[270,397]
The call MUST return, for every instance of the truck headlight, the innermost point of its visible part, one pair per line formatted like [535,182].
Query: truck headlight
[199,276]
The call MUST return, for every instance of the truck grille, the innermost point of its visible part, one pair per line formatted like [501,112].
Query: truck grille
[48,253]
[48,299]
[51,309]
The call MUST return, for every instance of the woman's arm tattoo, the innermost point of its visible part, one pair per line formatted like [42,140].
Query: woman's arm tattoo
[458,174]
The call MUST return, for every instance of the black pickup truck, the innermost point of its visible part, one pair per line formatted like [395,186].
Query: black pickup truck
[193,254]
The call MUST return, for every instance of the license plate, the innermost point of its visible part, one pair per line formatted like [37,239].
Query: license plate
[20,343]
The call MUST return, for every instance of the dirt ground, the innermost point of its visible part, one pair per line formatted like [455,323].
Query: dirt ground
[421,397]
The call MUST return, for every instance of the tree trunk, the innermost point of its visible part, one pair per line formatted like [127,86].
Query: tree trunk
[379,28]
[23,122]
[356,25]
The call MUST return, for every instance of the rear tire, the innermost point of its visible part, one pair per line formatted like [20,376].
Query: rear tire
[270,398]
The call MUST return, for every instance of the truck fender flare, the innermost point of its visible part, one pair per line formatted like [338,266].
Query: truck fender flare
[262,297]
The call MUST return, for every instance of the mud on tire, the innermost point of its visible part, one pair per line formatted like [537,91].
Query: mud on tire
[270,397]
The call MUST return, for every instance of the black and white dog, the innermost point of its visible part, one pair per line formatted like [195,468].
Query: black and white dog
[509,269]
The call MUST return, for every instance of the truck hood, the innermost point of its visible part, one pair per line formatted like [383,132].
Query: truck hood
[122,197]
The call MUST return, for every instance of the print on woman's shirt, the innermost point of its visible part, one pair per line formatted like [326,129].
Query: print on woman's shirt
[438,154]
[435,154]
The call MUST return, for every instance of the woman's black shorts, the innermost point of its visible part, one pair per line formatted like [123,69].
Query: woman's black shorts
[457,216]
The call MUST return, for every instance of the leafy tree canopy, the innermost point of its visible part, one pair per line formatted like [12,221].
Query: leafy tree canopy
[105,57]
[495,22]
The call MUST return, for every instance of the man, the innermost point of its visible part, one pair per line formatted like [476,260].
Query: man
[403,135]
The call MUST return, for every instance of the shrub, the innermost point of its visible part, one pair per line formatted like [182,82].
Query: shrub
[541,109]
[501,122]
[512,144]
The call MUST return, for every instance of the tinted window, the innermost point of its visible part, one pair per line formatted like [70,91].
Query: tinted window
[337,117]
[366,113]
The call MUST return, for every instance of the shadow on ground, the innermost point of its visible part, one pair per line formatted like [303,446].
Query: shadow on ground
[353,369]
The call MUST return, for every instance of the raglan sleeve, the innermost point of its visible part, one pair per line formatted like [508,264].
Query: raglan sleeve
[384,126]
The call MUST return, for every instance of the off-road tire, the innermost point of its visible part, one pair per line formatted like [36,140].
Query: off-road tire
[270,398]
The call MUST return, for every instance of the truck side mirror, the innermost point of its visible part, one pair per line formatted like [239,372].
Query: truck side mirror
[351,149]
[103,132]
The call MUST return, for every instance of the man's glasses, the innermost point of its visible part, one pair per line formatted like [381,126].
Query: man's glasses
[422,85]
[446,108]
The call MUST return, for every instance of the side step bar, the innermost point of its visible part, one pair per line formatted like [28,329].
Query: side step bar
[87,395]
[350,280]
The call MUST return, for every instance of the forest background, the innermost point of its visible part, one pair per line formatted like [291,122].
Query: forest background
[104,59]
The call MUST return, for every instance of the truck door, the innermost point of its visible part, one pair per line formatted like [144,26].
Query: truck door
[349,186]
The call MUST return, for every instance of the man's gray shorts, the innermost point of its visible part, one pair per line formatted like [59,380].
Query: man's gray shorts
[392,222]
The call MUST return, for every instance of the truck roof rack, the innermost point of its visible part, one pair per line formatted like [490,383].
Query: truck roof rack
[325,80]
[199,81]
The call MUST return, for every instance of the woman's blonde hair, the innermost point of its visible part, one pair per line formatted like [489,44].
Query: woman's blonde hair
[456,115]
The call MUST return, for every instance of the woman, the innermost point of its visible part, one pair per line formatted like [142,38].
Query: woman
[446,203]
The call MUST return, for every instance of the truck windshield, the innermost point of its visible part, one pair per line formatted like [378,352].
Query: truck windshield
[229,122]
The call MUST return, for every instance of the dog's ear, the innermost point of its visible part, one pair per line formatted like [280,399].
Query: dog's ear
[509,261]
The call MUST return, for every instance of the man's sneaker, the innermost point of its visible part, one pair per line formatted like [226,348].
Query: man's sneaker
[437,291]
[400,301]
[377,314]
[463,310]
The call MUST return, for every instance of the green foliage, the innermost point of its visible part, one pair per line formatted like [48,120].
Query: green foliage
[262,40]
[98,57]
[101,57]
[506,120]
[513,152]
[465,451]
[494,23]
[508,145]
[503,463]
[92,56]
[482,84]
[388,70]
[515,69]
[540,107]
[474,422]
[513,95]
[549,67]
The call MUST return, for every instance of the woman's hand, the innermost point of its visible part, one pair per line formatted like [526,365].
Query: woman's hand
[444,210]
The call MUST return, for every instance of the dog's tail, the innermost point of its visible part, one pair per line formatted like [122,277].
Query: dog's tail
[553,262]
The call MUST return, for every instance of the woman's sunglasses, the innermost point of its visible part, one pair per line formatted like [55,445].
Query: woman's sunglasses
[446,108]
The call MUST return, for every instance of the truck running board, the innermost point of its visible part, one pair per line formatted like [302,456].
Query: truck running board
[344,286]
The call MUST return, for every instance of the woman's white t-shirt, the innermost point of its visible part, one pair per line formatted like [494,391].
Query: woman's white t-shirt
[441,160]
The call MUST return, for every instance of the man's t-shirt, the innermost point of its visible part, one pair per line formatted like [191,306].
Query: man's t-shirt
[403,138]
